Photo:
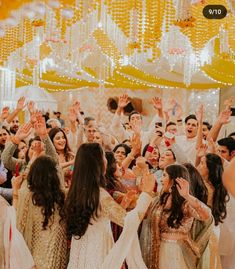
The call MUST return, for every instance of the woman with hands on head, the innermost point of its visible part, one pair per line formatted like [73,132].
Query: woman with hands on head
[166,231]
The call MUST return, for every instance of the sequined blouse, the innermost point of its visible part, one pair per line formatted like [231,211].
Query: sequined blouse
[190,213]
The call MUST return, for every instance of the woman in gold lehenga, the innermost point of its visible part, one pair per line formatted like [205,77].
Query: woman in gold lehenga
[38,215]
[165,238]
[211,169]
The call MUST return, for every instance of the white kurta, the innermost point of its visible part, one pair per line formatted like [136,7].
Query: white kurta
[96,249]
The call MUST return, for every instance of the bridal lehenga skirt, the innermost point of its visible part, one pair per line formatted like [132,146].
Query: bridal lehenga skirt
[171,256]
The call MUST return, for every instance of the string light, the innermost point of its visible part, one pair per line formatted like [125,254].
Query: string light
[134,38]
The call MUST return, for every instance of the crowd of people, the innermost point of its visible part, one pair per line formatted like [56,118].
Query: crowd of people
[77,195]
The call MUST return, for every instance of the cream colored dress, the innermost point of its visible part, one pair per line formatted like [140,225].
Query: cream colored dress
[48,247]
[96,249]
[14,253]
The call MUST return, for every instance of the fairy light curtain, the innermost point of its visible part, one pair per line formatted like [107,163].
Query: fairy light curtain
[69,44]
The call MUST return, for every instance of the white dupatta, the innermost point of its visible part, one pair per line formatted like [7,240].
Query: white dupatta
[127,246]
[17,254]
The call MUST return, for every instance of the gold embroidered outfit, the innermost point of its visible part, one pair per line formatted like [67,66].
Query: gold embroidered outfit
[48,247]
[164,247]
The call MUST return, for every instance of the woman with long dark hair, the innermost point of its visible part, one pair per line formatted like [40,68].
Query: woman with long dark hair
[165,233]
[39,213]
[201,231]
[89,208]
[211,170]
[112,175]
[65,154]
[197,186]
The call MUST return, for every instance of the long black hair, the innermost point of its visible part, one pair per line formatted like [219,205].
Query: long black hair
[220,197]
[197,186]
[44,183]
[112,183]
[176,210]
[83,199]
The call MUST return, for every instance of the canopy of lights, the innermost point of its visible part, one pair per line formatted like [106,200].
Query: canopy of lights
[134,44]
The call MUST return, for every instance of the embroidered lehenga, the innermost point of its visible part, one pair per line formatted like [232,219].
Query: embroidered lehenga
[49,246]
[164,247]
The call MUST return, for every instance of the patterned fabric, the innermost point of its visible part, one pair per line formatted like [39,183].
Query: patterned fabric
[96,249]
[156,225]
[48,247]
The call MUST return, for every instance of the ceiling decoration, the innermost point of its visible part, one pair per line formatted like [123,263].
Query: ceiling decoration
[135,44]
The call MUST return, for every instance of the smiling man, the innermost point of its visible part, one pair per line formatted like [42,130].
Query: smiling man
[187,143]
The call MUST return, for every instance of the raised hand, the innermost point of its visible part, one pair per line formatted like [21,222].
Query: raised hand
[72,114]
[40,126]
[225,116]
[211,144]
[157,103]
[31,107]
[156,139]
[21,103]
[202,150]
[182,187]
[123,101]
[228,103]
[23,131]
[5,112]
[147,183]
[135,144]
[76,106]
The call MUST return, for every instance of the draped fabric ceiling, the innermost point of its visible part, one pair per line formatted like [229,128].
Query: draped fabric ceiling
[134,44]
